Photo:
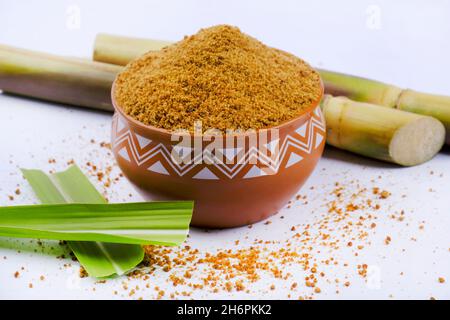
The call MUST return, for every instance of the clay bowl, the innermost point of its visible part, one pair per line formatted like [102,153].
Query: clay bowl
[240,185]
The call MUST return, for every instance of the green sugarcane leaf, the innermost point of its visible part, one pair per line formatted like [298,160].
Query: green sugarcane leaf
[145,223]
[121,228]
[98,259]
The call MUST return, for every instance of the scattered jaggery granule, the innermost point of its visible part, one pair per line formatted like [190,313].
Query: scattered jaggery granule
[300,262]
[16,274]
[220,76]
[362,270]
[82,272]
[441,280]
[384,194]
[239,285]
[106,145]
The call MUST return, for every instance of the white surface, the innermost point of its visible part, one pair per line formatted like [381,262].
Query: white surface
[405,43]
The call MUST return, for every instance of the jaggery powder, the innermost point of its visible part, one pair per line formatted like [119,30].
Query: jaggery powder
[221,77]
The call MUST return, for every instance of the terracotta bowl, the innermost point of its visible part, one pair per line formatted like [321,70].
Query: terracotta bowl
[237,185]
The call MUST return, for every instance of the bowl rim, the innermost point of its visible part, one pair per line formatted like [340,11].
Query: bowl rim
[167,132]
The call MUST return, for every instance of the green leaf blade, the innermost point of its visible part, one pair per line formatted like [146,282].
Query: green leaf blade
[42,186]
[93,222]
[106,259]
[117,231]
[97,258]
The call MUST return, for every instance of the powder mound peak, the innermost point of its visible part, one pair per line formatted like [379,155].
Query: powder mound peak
[220,36]
[220,76]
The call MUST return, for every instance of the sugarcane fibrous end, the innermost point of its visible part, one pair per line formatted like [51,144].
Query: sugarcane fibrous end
[417,142]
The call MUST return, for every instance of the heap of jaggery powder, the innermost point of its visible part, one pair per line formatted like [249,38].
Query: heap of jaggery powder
[220,76]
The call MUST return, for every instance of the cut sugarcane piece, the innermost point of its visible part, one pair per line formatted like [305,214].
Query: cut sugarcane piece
[59,79]
[365,90]
[360,89]
[120,50]
[386,134]
[427,104]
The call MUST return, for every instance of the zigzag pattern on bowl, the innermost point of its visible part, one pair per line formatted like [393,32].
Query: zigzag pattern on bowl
[157,158]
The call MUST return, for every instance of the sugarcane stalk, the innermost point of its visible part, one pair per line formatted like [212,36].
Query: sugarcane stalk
[386,134]
[360,89]
[383,133]
[427,104]
[365,90]
[66,80]
[121,50]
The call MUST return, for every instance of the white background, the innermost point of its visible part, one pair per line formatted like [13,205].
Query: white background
[402,42]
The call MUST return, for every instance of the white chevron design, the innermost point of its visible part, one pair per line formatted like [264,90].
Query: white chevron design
[255,172]
[158,168]
[182,151]
[272,145]
[293,159]
[205,173]
[142,141]
[302,130]
[124,154]
[230,153]
[273,162]
[319,139]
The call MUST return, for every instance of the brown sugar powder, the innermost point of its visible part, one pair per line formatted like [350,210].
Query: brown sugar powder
[220,76]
